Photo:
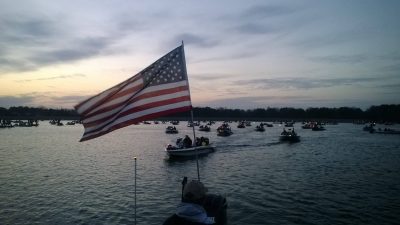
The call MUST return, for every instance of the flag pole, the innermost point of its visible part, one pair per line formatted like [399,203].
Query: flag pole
[191,110]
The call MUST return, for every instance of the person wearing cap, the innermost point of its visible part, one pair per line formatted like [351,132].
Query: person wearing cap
[187,142]
[190,211]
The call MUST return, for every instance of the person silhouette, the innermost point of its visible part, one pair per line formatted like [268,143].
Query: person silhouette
[191,211]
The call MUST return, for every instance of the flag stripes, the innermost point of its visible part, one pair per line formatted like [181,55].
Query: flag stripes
[138,117]
[160,89]
[101,119]
[137,120]
[86,106]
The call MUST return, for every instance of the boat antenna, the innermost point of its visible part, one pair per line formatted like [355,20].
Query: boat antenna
[135,190]
[191,111]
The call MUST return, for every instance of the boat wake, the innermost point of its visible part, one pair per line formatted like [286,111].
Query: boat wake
[247,145]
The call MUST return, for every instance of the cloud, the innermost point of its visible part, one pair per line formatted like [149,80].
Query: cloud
[322,41]
[265,19]
[26,30]
[347,59]
[392,86]
[348,35]
[303,83]
[8,101]
[231,91]
[53,78]
[48,99]
[391,68]
[7,65]
[392,56]
[20,35]
[297,101]
[69,100]
[266,11]
[255,28]
[80,49]
[209,77]
[356,58]
[28,42]
[250,53]
[253,101]
[193,39]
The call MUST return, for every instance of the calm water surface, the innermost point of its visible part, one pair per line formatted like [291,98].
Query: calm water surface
[339,176]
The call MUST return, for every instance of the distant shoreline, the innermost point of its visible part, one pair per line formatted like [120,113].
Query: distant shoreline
[386,113]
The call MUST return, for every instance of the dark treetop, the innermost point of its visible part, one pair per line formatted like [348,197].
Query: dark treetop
[373,113]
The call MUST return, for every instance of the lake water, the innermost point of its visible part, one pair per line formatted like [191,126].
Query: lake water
[339,176]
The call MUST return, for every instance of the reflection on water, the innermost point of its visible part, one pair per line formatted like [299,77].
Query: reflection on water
[339,176]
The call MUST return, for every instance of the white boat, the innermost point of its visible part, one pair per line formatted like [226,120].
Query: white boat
[189,152]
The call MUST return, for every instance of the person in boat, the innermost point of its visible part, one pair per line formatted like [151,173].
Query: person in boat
[198,141]
[284,132]
[170,147]
[179,143]
[190,211]
[202,141]
[187,142]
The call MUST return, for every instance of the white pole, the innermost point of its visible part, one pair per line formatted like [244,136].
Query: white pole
[135,189]
[191,111]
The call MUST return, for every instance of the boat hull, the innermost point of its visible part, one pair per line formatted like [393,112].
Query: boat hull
[224,134]
[289,138]
[171,132]
[190,152]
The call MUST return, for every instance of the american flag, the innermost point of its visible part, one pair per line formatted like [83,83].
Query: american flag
[160,89]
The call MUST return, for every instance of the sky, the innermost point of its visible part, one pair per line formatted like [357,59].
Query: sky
[239,54]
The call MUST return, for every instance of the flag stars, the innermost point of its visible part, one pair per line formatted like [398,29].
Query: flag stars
[167,70]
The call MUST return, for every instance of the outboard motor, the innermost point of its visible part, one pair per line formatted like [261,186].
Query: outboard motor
[216,206]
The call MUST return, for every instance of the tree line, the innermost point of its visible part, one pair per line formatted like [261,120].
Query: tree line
[374,113]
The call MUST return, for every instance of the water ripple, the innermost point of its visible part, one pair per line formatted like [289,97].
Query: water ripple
[339,176]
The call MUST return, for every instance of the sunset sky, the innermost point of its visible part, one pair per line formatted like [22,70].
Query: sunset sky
[239,54]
